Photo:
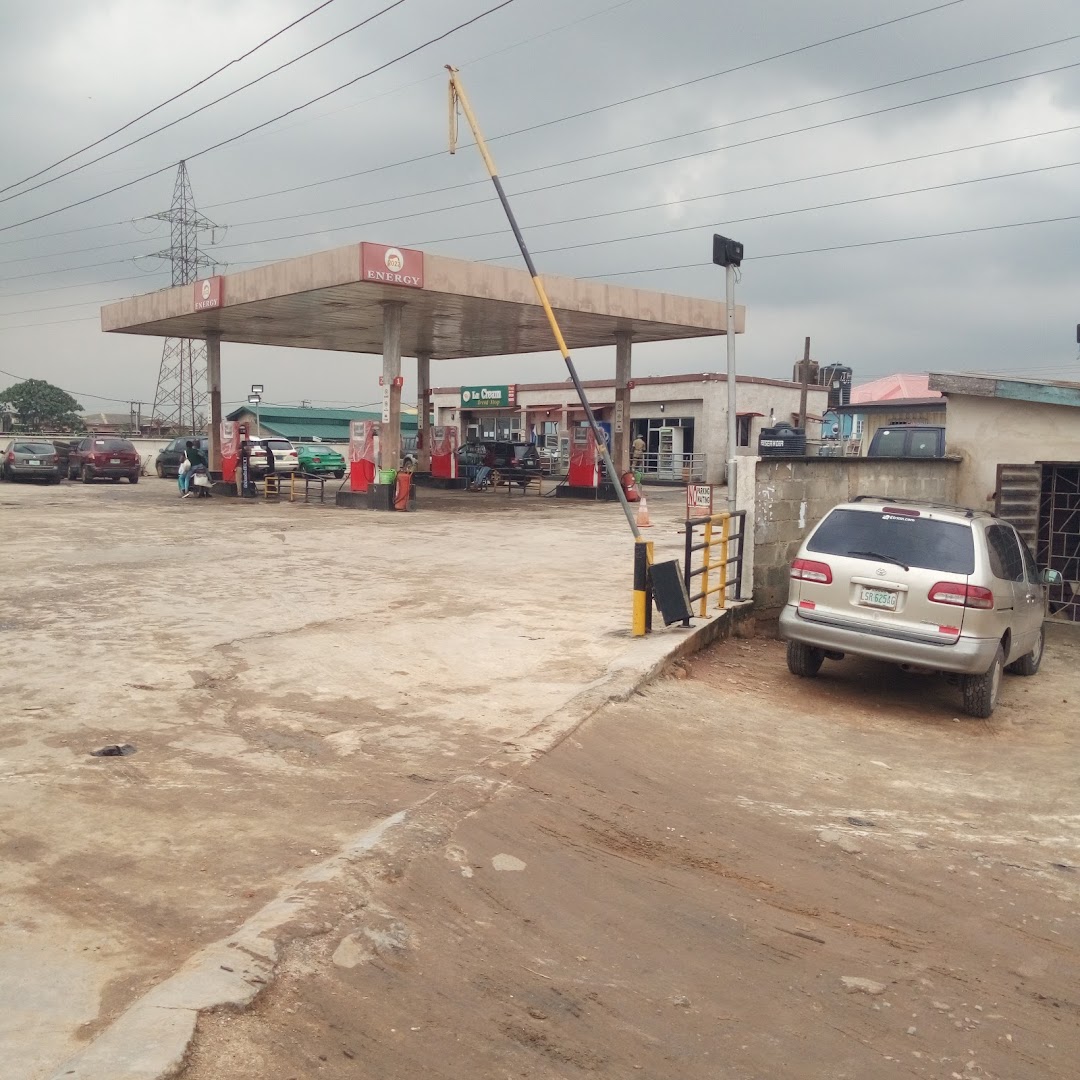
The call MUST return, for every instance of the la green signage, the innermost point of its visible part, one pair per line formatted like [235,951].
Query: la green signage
[488,397]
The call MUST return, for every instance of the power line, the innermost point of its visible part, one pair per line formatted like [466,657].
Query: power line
[843,247]
[266,123]
[643,145]
[754,217]
[203,108]
[169,101]
[602,108]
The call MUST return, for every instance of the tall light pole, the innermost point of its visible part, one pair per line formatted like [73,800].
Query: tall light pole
[255,398]
[728,253]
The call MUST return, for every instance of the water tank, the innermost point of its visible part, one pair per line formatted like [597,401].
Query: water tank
[781,441]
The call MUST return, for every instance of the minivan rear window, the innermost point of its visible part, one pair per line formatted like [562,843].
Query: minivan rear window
[916,541]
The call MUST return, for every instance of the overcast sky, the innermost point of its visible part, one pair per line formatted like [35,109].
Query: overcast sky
[1004,300]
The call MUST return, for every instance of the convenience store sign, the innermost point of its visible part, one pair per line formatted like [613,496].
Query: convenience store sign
[488,397]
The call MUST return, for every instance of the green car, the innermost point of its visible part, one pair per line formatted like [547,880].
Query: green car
[316,458]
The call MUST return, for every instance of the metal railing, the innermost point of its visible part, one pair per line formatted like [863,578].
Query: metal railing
[724,531]
[683,468]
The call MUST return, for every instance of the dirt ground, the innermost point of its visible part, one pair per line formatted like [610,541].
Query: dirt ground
[290,677]
[735,874]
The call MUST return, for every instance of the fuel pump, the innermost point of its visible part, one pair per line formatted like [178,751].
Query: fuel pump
[444,458]
[361,455]
[583,471]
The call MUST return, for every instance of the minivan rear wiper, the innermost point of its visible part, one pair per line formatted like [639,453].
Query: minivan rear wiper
[884,558]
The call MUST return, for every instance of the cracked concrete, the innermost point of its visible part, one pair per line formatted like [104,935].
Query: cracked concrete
[285,695]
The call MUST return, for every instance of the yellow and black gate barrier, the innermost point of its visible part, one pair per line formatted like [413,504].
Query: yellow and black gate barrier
[721,542]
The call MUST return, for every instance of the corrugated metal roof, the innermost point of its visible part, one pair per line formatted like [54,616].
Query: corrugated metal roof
[894,387]
[329,425]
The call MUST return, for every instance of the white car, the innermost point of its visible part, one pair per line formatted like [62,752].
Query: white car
[285,458]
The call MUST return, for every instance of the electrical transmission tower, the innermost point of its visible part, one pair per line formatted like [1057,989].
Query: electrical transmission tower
[180,396]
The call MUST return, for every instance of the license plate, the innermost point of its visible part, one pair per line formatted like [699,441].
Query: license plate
[114,461]
[33,462]
[878,598]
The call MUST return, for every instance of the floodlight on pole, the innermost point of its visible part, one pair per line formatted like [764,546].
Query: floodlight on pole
[255,398]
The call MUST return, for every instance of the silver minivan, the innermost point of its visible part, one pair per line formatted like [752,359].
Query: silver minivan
[928,587]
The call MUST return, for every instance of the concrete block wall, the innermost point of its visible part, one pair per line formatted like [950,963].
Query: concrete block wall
[792,494]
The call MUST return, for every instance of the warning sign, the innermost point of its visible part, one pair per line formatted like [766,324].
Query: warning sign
[699,500]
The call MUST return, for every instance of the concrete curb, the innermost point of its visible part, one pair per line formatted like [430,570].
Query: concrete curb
[151,1038]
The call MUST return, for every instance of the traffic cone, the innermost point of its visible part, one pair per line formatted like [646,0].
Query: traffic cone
[643,521]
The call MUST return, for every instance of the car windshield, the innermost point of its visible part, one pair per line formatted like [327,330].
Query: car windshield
[278,444]
[884,537]
[34,448]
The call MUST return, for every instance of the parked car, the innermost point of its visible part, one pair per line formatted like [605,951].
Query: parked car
[928,587]
[316,458]
[508,461]
[908,440]
[105,456]
[285,455]
[31,459]
[167,462]
[409,452]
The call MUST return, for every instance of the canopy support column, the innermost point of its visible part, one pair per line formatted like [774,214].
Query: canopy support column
[621,425]
[423,404]
[213,386]
[390,432]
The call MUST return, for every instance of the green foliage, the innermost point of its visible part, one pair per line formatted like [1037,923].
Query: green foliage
[40,406]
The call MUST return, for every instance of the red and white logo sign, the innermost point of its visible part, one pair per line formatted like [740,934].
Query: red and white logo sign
[392,266]
[209,293]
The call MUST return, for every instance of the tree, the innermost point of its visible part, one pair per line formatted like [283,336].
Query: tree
[40,406]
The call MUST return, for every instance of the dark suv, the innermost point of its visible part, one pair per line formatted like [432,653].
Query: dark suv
[167,462]
[104,456]
[908,440]
[508,461]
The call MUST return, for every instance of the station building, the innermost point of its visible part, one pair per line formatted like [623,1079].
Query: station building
[681,418]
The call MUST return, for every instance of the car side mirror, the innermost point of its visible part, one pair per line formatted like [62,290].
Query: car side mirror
[1051,577]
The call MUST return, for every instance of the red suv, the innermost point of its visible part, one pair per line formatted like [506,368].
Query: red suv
[104,455]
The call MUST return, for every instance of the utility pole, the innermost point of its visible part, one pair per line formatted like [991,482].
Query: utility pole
[728,253]
[180,394]
[805,385]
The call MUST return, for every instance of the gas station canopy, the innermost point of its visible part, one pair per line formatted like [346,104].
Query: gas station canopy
[450,309]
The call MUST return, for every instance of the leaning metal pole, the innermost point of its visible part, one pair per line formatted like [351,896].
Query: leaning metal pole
[457,97]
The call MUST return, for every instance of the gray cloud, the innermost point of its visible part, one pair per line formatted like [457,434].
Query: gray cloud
[994,300]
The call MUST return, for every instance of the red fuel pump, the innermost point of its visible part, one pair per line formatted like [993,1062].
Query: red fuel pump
[583,471]
[361,455]
[444,458]
[230,450]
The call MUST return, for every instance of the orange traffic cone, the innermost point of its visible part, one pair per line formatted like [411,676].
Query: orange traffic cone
[643,521]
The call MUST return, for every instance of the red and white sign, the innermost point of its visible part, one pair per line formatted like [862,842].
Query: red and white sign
[699,500]
[392,266]
[209,293]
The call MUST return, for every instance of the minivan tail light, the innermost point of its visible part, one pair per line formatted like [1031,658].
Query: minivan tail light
[809,570]
[960,595]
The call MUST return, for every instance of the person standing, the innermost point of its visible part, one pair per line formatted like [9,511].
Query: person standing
[271,466]
[637,453]
[184,471]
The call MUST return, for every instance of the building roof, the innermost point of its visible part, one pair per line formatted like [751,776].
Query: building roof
[892,387]
[650,380]
[895,405]
[451,309]
[1011,388]
[314,423]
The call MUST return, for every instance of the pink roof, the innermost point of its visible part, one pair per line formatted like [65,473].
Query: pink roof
[894,388]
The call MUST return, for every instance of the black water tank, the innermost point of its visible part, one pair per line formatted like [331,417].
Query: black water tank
[782,441]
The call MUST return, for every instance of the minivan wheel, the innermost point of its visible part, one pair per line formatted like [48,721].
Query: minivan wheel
[87,475]
[980,692]
[804,660]
[1028,665]
[160,471]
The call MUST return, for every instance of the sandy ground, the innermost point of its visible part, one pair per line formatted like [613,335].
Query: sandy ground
[290,675]
[735,874]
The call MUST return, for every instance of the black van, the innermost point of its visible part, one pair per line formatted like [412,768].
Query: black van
[908,440]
